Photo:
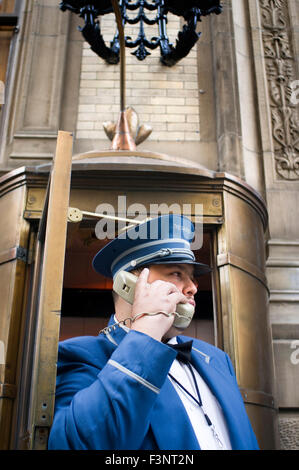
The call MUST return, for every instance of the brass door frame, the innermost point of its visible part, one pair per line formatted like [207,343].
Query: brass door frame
[34,407]
[13,260]
[51,241]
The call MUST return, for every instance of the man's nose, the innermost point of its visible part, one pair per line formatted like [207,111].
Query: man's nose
[190,288]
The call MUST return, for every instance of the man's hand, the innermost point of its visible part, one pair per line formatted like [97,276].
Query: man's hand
[158,296]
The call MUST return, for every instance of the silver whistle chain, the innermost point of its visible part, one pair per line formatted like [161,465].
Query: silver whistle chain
[130,320]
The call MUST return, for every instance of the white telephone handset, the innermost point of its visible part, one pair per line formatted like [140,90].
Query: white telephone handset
[124,285]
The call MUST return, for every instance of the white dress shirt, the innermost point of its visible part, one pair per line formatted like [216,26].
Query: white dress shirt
[204,433]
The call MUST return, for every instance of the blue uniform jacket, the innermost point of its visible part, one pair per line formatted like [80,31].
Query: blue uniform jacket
[113,393]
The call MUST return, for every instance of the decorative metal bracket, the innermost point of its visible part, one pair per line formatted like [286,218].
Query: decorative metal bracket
[76,215]
[190,10]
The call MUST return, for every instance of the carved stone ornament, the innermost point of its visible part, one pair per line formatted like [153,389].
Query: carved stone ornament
[280,69]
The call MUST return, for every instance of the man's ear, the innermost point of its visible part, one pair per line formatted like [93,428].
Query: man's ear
[137,271]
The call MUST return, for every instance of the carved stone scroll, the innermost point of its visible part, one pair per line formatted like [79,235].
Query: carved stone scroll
[280,69]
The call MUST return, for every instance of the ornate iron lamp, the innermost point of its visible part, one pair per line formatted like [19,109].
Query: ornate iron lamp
[190,10]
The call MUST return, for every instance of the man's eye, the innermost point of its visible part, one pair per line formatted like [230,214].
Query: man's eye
[176,273]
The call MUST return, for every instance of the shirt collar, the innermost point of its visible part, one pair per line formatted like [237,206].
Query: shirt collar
[172,340]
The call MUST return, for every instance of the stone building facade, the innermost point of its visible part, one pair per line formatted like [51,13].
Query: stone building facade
[231,105]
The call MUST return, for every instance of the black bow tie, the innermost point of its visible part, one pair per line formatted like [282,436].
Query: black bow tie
[183,350]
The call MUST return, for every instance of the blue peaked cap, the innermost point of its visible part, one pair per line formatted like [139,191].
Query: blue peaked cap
[162,240]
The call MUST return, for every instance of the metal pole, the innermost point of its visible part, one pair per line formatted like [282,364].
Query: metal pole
[122,139]
[122,54]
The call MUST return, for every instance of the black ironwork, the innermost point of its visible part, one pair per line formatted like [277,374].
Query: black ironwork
[190,10]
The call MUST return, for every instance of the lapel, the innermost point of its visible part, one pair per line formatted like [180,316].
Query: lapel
[224,387]
[173,431]
[170,423]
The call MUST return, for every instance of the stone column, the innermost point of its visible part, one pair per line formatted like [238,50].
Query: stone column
[42,92]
